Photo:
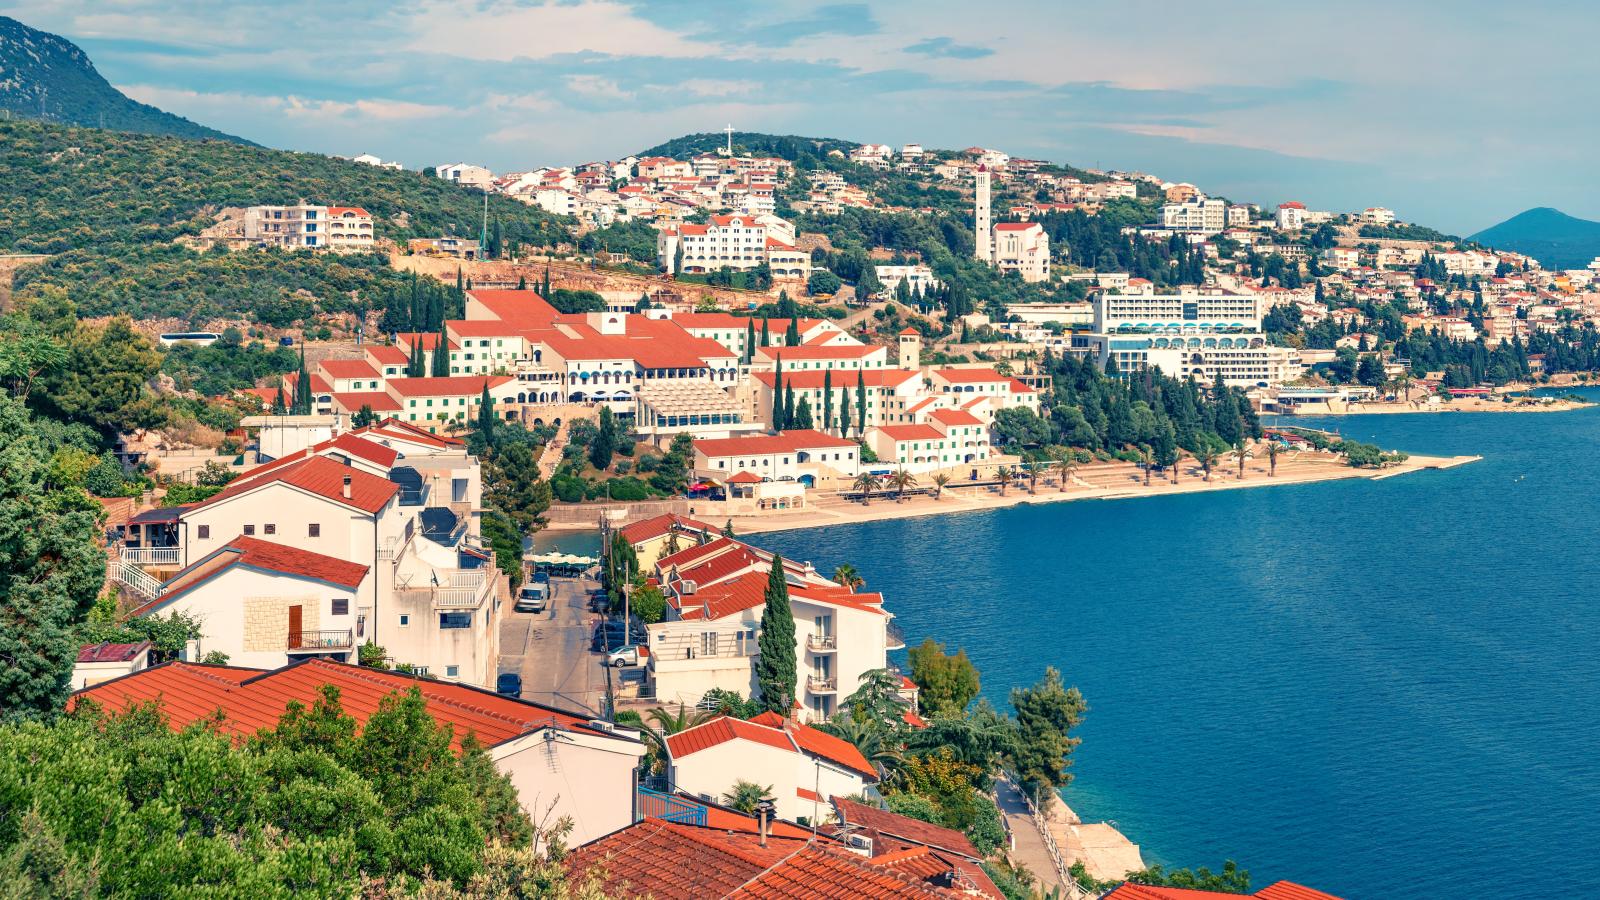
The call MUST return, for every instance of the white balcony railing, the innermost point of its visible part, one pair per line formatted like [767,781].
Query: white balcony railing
[136,578]
[820,685]
[822,643]
[150,556]
[456,589]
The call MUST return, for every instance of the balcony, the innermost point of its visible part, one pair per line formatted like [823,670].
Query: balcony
[323,641]
[819,685]
[151,556]
[894,637]
[450,589]
[822,643]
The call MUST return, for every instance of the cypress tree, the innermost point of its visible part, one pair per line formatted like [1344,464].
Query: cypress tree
[827,400]
[788,405]
[802,415]
[749,341]
[777,397]
[546,292]
[416,367]
[775,649]
[302,387]
[486,420]
[861,403]
[441,355]
[279,406]
[522,282]
[766,335]
[844,413]
[791,335]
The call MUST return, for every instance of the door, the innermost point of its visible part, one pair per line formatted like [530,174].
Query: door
[294,626]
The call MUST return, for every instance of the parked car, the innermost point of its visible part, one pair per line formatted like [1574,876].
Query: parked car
[626,655]
[509,684]
[541,578]
[610,634]
[534,598]
[286,342]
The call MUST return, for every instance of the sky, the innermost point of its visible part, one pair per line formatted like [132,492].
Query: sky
[1455,114]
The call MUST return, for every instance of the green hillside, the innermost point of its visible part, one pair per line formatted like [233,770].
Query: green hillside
[109,205]
[1549,235]
[46,76]
[792,147]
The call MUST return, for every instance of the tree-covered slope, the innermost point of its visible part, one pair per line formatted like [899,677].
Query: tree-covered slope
[43,75]
[1548,235]
[109,205]
[792,147]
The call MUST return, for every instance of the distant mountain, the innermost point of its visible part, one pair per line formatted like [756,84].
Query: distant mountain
[46,76]
[1549,235]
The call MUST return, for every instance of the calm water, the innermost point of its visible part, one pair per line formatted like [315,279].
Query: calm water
[1370,687]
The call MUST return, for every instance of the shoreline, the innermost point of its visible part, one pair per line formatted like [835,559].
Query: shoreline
[1108,481]
[1455,406]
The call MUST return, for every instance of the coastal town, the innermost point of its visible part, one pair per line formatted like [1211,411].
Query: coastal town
[423,531]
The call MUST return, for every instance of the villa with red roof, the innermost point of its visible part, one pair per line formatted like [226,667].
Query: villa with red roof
[806,768]
[561,763]
[715,600]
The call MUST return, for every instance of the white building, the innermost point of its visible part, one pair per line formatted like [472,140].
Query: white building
[738,242]
[102,662]
[1211,336]
[806,768]
[1022,247]
[466,174]
[802,456]
[1200,215]
[918,278]
[1377,215]
[982,229]
[311,227]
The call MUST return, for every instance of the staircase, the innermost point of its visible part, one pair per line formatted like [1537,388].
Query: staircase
[551,457]
[127,567]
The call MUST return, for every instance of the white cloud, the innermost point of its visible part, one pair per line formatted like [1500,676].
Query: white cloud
[505,31]
[198,103]
[596,86]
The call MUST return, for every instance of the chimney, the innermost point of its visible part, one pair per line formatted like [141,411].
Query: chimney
[764,817]
[347,485]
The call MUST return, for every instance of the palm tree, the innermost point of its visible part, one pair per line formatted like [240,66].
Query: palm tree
[869,739]
[846,574]
[669,723]
[1034,468]
[900,480]
[939,481]
[1239,451]
[746,796]
[1148,457]
[1273,449]
[1004,476]
[1207,457]
[866,483]
[1065,466]
[1177,464]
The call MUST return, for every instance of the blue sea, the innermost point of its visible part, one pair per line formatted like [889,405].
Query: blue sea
[1376,688]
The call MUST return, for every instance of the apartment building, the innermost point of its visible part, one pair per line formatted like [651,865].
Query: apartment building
[309,227]
[739,242]
[1022,247]
[1198,216]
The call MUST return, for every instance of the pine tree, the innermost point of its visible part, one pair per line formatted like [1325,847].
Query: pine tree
[775,648]
[827,400]
[861,403]
[364,416]
[802,415]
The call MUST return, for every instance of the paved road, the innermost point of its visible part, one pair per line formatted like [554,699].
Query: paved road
[551,650]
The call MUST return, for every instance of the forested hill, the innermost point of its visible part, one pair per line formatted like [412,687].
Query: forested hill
[110,204]
[45,75]
[1548,235]
[792,147]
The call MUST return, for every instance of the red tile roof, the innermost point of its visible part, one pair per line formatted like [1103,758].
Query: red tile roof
[904,828]
[926,864]
[1288,890]
[446,386]
[819,743]
[782,442]
[721,730]
[954,417]
[253,699]
[347,368]
[747,591]
[970,376]
[1017,226]
[354,445]
[265,556]
[818,872]
[743,477]
[817,352]
[655,527]
[387,355]
[392,427]
[910,432]
[100,653]
[318,475]
[378,401]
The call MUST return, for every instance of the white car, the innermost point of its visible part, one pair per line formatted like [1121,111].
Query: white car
[627,655]
[532,598]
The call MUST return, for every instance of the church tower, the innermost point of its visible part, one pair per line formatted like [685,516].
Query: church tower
[983,232]
[910,349]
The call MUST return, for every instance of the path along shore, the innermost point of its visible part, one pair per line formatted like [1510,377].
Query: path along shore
[1096,481]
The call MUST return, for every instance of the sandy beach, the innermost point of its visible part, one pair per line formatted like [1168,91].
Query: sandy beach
[1099,481]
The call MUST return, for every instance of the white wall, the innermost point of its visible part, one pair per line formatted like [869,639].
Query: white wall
[587,777]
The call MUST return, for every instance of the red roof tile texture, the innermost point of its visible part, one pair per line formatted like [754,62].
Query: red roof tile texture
[102,653]
[722,730]
[253,699]
[783,442]
[820,743]
[904,827]
[318,475]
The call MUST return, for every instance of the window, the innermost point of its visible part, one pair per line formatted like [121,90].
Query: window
[341,606]
[271,528]
[405,620]
[455,620]
[452,671]
[204,532]
[249,529]
[314,530]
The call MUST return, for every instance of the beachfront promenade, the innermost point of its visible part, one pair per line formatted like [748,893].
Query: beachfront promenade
[1094,481]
